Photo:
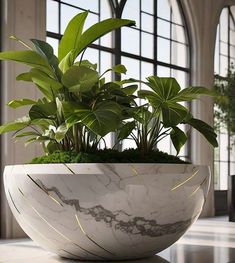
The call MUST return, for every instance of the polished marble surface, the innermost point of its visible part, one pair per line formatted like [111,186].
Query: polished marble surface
[207,241]
[106,211]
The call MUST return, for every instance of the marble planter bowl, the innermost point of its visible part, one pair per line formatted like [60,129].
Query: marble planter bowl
[106,211]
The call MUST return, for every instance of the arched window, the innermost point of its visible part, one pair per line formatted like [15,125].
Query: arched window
[224,159]
[157,45]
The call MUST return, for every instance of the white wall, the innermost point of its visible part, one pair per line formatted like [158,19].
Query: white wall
[26,18]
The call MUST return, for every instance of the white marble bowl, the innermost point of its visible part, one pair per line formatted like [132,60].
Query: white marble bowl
[106,211]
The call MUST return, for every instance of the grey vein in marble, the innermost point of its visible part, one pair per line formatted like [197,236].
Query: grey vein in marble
[135,225]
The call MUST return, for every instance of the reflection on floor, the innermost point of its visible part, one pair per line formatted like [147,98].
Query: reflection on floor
[207,241]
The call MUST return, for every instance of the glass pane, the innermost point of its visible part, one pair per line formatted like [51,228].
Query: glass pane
[216,153]
[132,66]
[181,77]
[223,66]
[105,10]
[232,168]
[85,4]
[232,151]
[128,144]
[163,9]
[216,62]
[216,175]
[223,176]
[164,145]
[163,28]
[147,23]
[179,54]
[132,11]
[231,21]
[224,25]
[147,6]
[224,48]
[176,14]
[147,45]
[52,18]
[232,51]
[163,50]
[146,70]
[223,147]
[163,71]
[106,63]
[54,43]
[92,55]
[130,40]
[178,33]
[91,20]
[232,37]
[108,142]
[106,40]
[67,12]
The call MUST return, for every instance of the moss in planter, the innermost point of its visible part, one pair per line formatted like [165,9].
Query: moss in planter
[108,156]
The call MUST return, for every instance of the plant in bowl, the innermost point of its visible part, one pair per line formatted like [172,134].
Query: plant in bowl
[118,205]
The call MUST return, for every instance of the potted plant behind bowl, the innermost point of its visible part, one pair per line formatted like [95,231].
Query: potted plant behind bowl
[102,210]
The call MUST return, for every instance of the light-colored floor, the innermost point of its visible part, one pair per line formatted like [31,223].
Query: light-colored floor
[207,241]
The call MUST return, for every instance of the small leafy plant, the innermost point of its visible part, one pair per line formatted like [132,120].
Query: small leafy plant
[78,107]
[225,102]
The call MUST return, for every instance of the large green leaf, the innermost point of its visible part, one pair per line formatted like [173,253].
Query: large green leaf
[205,129]
[46,84]
[130,90]
[121,69]
[43,110]
[28,57]
[26,134]
[61,132]
[102,119]
[72,35]
[125,130]
[191,93]
[18,124]
[66,62]
[166,88]
[155,99]
[178,138]
[173,113]
[19,103]
[46,50]
[24,76]
[98,30]
[80,79]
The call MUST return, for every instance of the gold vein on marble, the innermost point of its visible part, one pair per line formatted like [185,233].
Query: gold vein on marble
[84,232]
[45,191]
[134,170]
[194,192]
[184,182]
[56,230]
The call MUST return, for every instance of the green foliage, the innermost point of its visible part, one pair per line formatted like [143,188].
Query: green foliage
[163,113]
[108,156]
[225,102]
[78,107]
